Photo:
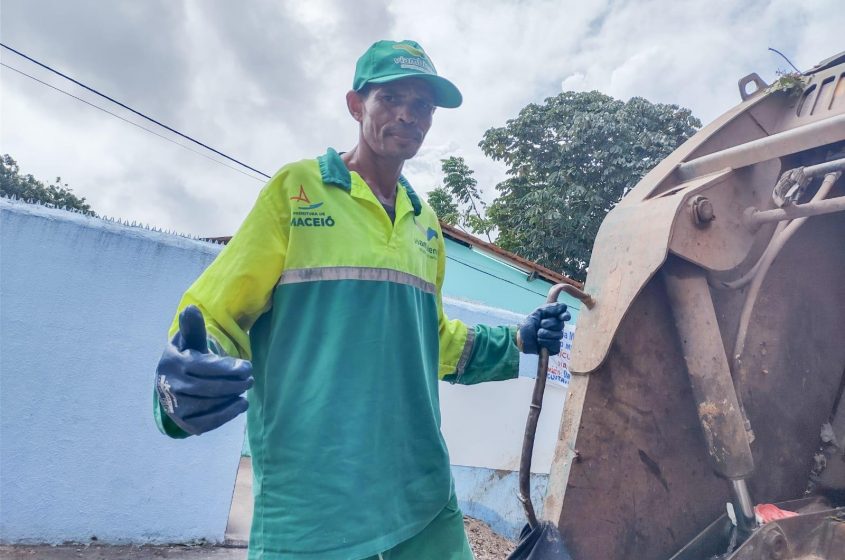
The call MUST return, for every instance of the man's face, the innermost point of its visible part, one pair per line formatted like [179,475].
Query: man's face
[395,117]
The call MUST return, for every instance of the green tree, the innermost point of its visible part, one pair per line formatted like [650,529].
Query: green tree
[570,160]
[27,187]
[461,188]
[444,205]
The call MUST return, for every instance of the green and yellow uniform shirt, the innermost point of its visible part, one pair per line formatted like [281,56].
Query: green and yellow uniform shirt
[339,308]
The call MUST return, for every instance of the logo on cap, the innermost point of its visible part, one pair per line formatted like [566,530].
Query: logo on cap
[413,51]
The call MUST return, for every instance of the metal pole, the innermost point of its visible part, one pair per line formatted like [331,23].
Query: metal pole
[710,377]
[755,218]
[825,168]
[771,147]
[743,498]
[537,406]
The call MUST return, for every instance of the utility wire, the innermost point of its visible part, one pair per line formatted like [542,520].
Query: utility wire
[163,137]
[92,90]
[128,108]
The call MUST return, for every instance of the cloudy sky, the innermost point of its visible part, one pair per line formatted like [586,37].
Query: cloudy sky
[264,81]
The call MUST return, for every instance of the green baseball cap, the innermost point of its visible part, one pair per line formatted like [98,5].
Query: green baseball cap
[387,61]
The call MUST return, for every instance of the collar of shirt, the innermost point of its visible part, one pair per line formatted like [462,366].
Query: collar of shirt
[334,172]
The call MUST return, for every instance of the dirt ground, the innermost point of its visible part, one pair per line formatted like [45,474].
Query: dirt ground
[486,545]
[104,552]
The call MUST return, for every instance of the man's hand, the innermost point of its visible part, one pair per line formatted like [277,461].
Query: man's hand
[198,390]
[543,329]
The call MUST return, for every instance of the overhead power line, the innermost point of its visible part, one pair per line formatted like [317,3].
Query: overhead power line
[183,136]
[128,108]
[162,136]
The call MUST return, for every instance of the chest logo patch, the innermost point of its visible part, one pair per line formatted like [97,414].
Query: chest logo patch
[303,198]
[306,214]
[425,246]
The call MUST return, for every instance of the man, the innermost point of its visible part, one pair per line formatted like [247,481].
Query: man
[329,296]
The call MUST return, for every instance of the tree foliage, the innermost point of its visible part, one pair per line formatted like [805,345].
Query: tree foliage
[458,198]
[27,187]
[444,205]
[570,160]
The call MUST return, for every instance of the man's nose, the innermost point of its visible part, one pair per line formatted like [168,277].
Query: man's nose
[406,114]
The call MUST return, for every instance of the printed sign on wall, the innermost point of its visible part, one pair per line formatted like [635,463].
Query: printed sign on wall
[559,365]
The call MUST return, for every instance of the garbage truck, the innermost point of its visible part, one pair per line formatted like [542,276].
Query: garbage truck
[705,417]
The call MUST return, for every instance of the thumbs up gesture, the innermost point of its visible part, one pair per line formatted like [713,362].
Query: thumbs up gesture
[199,390]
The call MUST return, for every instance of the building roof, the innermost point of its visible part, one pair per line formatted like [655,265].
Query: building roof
[540,271]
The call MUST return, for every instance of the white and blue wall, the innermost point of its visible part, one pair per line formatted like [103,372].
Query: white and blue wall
[84,308]
[484,424]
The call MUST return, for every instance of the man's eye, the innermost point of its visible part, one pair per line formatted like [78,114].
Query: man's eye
[388,98]
[424,107]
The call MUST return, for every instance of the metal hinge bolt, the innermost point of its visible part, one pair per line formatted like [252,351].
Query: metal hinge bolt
[702,211]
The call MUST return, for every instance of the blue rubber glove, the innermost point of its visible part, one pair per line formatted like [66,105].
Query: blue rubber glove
[543,329]
[200,391]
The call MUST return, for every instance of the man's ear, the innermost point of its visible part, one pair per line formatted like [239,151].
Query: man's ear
[355,104]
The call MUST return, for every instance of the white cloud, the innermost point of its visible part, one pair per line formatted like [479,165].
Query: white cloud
[265,81]
[574,82]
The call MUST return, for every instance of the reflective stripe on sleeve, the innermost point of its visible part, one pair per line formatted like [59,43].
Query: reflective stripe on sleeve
[300,275]
[467,352]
